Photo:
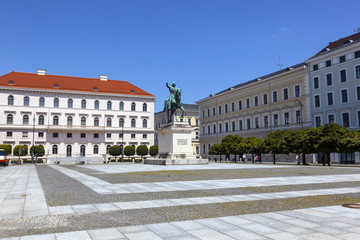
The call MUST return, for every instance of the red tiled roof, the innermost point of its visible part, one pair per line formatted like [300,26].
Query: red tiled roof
[339,43]
[65,83]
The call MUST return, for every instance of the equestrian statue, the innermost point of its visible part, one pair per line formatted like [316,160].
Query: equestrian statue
[173,103]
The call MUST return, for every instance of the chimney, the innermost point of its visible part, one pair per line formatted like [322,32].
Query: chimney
[41,71]
[103,77]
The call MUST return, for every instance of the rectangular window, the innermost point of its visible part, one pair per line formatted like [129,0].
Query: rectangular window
[226,108]
[9,134]
[55,135]
[285,93]
[121,135]
[329,79]
[197,149]
[133,135]
[108,135]
[256,101]
[316,83]
[257,125]
[343,75]
[208,130]
[357,71]
[219,110]
[69,135]
[233,107]
[189,121]
[220,128]
[331,118]
[204,149]
[203,114]
[298,116]
[315,67]
[358,113]
[330,98]
[357,54]
[226,127]
[276,119]
[214,112]
[297,91]
[342,59]
[197,135]
[208,111]
[317,121]
[82,135]
[265,100]
[328,63]
[197,122]
[345,119]
[240,102]
[275,96]
[240,125]
[344,96]
[233,128]
[248,124]
[96,135]
[144,136]
[358,93]
[247,103]
[214,129]
[286,118]
[317,100]
[266,121]
[25,134]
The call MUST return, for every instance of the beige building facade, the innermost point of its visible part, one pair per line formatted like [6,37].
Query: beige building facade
[191,116]
[279,100]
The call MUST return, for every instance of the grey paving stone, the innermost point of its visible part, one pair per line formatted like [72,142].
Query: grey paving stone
[148,235]
[105,234]
[83,235]
[209,234]
[39,237]
[166,230]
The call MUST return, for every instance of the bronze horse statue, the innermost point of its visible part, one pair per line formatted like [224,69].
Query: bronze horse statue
[173,103]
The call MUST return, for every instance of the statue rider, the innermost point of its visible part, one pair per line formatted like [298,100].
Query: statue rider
[174,101]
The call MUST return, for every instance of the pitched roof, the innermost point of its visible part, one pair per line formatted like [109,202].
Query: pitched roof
[66,83]
[342,42]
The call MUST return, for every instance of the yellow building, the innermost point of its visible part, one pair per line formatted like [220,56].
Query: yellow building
[191,115]
[279,100]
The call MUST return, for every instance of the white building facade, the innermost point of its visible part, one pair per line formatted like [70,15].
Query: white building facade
[73,116]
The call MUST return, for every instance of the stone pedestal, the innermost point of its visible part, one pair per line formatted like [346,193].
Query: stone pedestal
[175,147]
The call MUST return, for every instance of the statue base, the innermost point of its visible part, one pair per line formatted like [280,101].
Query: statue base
[175,146]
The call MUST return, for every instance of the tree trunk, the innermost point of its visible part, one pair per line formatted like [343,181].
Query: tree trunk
[235,158]
[252,158]
[273,158]
[323,160]
[328,158]
[304,158]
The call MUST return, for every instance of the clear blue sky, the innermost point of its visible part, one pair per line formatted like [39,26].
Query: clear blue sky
[204,46]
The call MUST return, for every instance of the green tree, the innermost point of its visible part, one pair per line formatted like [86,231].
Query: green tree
[253,145]
[24,150]
[351,142]
[330,139]
[232,145]
[154,150]
[216,149]
[142,150]
[38,151]
[276,143]
[7,148]
[115,151]
[129,151]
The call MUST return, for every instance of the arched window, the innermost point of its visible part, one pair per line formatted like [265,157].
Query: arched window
[70,103]
[55,120]
[108,122]
[144,123]
[26,120]
[107,149]
[144,107]
[83,121]
[56,102]
[11,100]
[26,101]
[96,104]
[121,106]
[41,102]
[96,121]
[109,105]
[133,107]
[68,150]
[96,149]
[133,122]
[83,104]
[82,150]
[41,120]
[9,119]
[69,121]
[121,122]
[55,149]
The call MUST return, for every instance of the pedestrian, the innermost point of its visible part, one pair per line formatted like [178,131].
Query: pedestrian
[297,159]
[256,158]
[244,158]
[259,158]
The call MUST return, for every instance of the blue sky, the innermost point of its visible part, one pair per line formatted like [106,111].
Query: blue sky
[204,46]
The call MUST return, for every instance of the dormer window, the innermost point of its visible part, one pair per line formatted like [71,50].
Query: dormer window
[132,91]
[95,88]
[11,83]
[56,85]
[348,41]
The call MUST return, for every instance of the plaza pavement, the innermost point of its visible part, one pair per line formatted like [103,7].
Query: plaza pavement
[22,197]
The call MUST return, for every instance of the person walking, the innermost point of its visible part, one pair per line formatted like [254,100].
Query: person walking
[297,159]
[244,158]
